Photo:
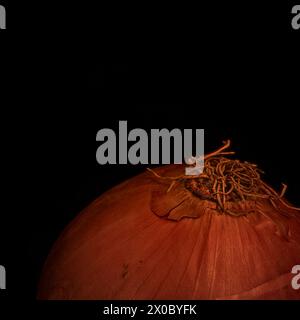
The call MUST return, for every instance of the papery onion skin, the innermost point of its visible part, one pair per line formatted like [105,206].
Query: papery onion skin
[119,248]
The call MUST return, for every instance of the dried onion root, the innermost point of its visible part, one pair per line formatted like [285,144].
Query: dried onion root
[224,180]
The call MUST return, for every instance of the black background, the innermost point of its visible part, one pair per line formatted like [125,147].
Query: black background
[230,69]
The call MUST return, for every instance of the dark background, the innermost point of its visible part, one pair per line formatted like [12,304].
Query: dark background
[231,70]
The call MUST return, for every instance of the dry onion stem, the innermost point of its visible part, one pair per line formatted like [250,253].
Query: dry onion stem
[224,180]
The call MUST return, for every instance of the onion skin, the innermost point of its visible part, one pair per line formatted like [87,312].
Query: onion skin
[118,248]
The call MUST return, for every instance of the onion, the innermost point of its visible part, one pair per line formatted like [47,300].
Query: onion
[161,235]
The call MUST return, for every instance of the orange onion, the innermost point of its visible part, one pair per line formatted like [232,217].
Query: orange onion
[162,235]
